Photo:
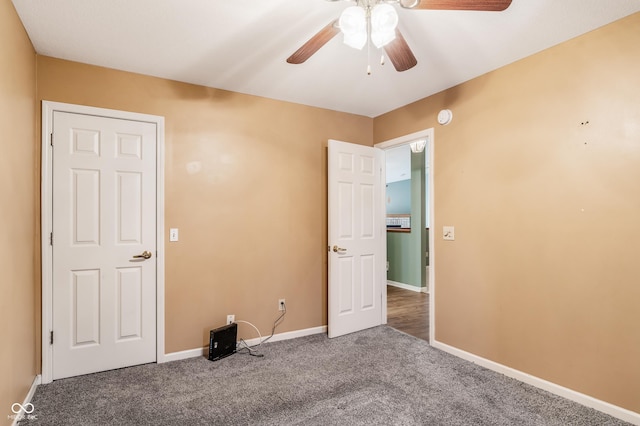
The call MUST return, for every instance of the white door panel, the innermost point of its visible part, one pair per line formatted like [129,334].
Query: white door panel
[104,214]
[357,239]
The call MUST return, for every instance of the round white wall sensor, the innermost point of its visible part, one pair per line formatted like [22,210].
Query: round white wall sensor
[445,116]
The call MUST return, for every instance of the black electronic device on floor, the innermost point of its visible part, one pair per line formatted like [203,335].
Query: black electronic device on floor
[222,341]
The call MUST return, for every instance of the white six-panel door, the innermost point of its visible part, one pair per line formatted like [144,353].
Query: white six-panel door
[357,237]
[104,219]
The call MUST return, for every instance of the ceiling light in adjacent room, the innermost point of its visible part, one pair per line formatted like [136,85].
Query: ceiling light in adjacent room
[418,146]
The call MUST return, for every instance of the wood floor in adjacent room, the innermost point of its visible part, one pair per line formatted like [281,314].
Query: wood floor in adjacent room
[408,311]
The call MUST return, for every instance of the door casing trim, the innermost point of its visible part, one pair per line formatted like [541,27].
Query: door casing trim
[46,223]
[404,140]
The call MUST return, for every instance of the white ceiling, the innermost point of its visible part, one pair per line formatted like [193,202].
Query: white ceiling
[242,45]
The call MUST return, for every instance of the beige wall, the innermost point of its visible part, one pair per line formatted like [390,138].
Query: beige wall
[543,275]
[252,220]
[18,192]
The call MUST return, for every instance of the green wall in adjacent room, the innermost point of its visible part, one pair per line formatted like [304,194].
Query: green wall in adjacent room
[406,250]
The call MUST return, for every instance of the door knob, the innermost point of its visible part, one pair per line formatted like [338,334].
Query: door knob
[145,254]
[339,250]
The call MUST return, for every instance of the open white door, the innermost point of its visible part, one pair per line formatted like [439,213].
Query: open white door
[357,237]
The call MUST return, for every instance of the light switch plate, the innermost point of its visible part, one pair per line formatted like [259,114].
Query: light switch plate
[173,234]
[448,233]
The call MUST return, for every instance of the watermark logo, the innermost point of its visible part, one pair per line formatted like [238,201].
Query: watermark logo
[18,408]
[21,412]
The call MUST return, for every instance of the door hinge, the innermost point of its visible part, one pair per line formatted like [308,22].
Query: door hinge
[51,139]
[51,337]
[51,239]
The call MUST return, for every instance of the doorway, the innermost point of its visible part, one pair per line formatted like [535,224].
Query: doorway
[409,203]
[102,240]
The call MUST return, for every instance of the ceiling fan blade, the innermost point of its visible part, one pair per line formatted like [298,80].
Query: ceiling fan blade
[314,43]
[480,5]
[400,53]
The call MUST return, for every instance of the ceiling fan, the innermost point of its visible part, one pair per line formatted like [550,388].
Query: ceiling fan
[376,21]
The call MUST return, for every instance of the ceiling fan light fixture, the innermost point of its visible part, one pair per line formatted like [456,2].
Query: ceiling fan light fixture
[353,25]
[384,20]
[409,4]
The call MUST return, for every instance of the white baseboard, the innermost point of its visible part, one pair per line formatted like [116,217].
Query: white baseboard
[291,335]
[27,400]
[192,353]
[586,400]
[408,287]
[189,353]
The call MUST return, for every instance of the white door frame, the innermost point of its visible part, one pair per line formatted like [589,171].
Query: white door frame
[46,222]
[403,140]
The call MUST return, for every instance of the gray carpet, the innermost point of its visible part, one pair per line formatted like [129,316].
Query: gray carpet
[378,376]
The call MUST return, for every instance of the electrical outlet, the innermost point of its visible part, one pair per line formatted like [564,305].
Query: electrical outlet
[281,305]
[231,319]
